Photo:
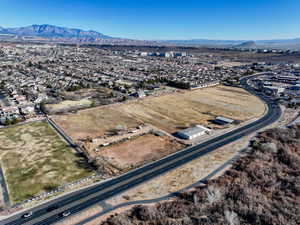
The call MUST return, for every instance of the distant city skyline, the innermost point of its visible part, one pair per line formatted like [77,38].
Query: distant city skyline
[167,20]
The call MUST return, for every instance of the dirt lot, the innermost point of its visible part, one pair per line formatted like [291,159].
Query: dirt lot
[230,64]
[140,150]
[169,112]
[67,105]
[35,159]
[94,122]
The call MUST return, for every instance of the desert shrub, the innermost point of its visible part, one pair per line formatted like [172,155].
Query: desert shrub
[214,194]
[120,219]
[148,213]
[269,146]
[231,217]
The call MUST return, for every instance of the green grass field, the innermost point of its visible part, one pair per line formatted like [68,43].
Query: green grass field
[35,159]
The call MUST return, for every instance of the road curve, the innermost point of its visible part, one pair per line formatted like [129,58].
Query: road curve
[82,199]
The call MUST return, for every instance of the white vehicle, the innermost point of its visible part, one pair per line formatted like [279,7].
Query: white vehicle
[27,215]
[66,213]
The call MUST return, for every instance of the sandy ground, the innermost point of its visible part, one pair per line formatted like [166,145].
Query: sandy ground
[140,150]
[94,122]
[230,63]
[170,112]
[94,145]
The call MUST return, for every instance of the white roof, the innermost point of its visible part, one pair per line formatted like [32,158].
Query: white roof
[227,120]
[193,130]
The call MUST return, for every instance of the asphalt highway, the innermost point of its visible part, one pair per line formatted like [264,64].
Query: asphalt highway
[82,199]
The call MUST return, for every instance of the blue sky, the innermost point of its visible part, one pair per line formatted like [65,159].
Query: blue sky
[164,19]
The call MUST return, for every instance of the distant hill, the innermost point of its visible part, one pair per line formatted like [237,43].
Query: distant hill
[50,31]
[277,44]
[205,42]
[2,30]
[247,44]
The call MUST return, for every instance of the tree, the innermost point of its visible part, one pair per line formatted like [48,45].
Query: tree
[124,98]
[29,64]
[179,84]
[2,84]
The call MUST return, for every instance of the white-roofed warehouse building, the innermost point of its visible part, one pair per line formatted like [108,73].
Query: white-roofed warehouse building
[192,132]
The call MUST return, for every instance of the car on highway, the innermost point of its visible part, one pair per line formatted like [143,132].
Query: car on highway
[27,215]
[66,213]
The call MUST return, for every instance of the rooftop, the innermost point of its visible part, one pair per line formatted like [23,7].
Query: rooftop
[227,120]
[194,130]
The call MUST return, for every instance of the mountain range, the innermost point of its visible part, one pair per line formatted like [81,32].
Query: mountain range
[50,31]
[46,32]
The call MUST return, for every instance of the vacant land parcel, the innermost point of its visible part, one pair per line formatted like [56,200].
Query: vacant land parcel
[67,105]
[169,112]
[35,159]
[140,150]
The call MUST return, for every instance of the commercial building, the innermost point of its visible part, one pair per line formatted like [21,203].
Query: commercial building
[273,91]
[192,132]
[285,79]
[293,90]
[172,54]
[223,120]
[139,94]
[296,101]
[144,53]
